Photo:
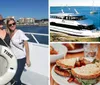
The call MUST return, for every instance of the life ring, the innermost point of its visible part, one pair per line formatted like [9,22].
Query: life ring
[11,65]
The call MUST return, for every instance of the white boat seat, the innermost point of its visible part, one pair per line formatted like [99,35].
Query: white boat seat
[33,78]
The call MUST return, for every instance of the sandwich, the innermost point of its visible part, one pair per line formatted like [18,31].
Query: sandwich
[63,66]
[88,74]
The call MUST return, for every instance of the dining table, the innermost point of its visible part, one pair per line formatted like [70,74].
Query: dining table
[71,55]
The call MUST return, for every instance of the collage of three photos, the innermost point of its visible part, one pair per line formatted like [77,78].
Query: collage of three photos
[50,42]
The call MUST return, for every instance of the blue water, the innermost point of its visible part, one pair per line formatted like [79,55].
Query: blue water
[82,10]
[36,29]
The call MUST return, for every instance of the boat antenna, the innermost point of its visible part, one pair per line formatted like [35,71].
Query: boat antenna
[62,10]
[76,11]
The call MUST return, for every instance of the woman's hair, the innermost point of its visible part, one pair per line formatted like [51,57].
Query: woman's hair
[7,27]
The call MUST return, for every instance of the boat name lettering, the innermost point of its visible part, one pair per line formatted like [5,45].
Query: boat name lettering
[7,53]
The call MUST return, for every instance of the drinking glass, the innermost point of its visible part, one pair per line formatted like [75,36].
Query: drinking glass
[90,51]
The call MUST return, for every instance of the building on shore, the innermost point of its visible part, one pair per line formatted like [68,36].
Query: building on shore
[29,21]
[42,22]
[26,21]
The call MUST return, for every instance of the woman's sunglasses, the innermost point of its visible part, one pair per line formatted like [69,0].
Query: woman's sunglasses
[11,24]
[1,22]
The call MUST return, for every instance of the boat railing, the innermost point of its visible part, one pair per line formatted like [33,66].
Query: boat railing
[33,36]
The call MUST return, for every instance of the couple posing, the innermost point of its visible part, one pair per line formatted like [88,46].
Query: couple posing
[17,41]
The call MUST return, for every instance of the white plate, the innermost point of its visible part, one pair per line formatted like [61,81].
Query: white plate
[62,80]
[61,49]
[76,51]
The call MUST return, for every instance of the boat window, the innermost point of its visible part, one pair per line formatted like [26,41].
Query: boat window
[56,17]
[74,17]
[51,16]
[66,18]
[90,27]
[78,17]
[79,27]
[65,26]
[59,17]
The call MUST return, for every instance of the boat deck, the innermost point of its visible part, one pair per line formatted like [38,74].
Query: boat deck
[37,74]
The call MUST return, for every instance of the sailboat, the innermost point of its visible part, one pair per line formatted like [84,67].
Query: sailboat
[93,10]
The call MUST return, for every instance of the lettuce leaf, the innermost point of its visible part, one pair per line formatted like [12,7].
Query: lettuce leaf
[95,60]
[87,82]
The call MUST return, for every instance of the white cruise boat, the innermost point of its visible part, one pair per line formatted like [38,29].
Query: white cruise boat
[37,74]
[72,23]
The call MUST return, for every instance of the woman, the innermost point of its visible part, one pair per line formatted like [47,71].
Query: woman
[4,36]
[4,40]
[20,48]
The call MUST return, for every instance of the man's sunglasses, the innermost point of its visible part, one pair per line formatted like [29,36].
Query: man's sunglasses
[1,22]
[11,24]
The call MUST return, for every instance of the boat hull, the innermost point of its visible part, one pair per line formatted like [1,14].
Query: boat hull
[84,33]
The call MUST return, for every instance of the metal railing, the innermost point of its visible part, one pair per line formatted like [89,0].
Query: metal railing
[33,36]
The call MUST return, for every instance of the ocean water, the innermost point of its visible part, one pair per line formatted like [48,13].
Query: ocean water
[36,29]
[82,10]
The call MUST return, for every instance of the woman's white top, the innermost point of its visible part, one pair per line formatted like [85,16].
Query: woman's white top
[17,45]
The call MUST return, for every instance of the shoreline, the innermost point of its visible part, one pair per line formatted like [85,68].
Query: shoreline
[31,25]
[62,37]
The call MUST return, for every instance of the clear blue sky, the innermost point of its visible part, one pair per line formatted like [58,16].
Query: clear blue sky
[74,2]
[24,8]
